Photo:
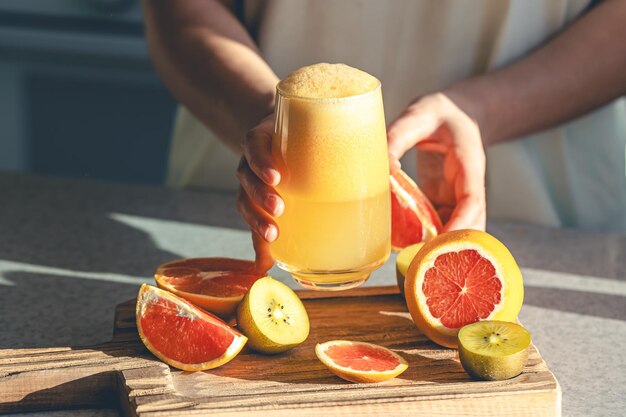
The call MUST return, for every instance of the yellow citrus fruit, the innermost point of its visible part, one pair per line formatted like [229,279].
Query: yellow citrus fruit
[462,277]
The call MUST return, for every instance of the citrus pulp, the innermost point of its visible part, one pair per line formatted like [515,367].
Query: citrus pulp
[183,335]
[360,361]
[215,284]
[461,277]
[413,218]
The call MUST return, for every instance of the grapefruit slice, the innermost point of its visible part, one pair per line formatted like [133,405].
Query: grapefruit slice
[215,284]
[413,218]
[360,361]
[459,278]
[183,335]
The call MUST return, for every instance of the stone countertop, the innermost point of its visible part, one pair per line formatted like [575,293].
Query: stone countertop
[70,250]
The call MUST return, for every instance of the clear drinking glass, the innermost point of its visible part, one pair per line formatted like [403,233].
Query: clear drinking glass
[332,155]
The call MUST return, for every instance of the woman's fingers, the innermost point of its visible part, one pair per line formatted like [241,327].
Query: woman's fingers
[415,124]
[444,213]
[468,179]
[263,258]
[261,194]
[259,221]
[453,175]
[257,149]
[258,201]
[469,213]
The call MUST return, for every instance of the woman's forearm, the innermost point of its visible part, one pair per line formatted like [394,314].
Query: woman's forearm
[579,70]
[209,62]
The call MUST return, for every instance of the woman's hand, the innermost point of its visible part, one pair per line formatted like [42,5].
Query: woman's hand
[451,158]
[451,169]
[257,200]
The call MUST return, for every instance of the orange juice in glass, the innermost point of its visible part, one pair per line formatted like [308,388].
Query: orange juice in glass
[330,144]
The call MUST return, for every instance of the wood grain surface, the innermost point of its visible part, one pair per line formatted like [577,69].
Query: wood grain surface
[122,373]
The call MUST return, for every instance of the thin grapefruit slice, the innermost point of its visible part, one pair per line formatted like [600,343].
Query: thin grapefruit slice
[413,218]
[360,361]
[183,335]
[459,278]
[215,284]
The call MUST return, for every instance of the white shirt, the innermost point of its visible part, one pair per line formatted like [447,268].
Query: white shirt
[572,175]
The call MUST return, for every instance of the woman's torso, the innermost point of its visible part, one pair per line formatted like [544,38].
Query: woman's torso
[570,175]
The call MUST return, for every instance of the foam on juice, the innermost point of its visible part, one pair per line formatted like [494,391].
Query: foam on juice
[332,149]
[327,81]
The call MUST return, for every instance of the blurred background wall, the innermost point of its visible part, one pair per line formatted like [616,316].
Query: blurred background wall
[78,96]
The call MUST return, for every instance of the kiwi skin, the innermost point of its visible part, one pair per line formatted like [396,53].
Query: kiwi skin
[492,368]
[495,369]
[256,339]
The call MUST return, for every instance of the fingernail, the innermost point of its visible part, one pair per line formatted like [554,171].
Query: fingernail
[271,176]
[274,204]
[269,232]
[280,207]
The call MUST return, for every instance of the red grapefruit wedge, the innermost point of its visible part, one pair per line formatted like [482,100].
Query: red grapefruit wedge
[215,284]
[360,361]
[413,218]
[183,335]
[459,278]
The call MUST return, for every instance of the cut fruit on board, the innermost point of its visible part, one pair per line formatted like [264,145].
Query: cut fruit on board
[461,277]
[215,284]
[183,335]
[413,218]
[493,350]
[273,317]
[403,260]
[360,362]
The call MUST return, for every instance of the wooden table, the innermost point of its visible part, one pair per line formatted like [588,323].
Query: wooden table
[71,250]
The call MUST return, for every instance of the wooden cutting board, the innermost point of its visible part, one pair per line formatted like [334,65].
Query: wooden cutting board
[123,373]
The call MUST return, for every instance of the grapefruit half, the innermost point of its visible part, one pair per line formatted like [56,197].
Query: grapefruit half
[360,361]
[215,284]
[461,277]
[413,218]
[183,335]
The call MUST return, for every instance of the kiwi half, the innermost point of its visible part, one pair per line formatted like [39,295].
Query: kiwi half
[272,317]
[404,259]
[493,350]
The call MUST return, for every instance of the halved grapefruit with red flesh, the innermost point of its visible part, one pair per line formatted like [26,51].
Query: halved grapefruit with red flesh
[215,284]
[360,361]
[459,278]
[413,218]
[183,335]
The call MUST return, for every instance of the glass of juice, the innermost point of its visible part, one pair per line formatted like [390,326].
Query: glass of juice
[330,144]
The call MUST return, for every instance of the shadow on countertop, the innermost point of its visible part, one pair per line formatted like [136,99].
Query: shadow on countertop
[45,310]
[67,224]
[66,260]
